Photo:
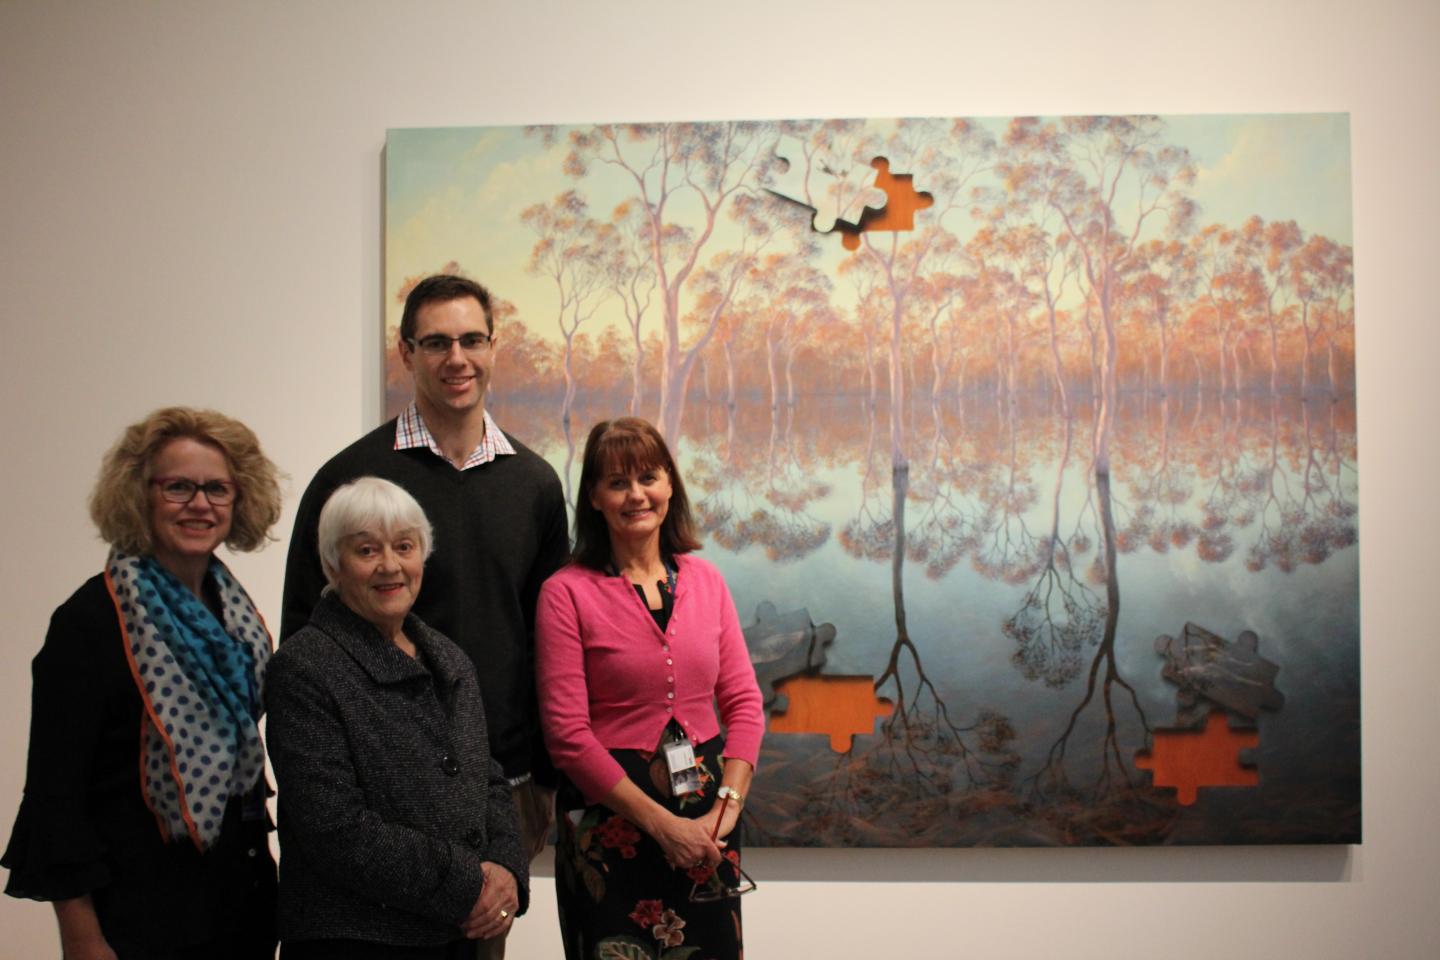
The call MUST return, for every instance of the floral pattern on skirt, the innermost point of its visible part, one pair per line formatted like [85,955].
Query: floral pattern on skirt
[619,899]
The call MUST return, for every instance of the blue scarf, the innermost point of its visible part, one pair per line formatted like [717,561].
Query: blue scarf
[200,681]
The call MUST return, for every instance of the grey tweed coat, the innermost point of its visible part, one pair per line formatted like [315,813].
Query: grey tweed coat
[389,798]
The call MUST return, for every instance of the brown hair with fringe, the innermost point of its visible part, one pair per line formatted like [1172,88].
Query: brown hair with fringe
[628,444]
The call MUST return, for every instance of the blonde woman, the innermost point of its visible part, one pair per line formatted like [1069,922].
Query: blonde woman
[143,820]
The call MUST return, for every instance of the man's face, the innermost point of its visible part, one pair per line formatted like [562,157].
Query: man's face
[453,382]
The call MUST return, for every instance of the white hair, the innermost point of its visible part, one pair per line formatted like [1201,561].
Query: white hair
[369,505]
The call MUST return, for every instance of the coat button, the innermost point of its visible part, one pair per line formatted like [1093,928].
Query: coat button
[450,765]
[475,838]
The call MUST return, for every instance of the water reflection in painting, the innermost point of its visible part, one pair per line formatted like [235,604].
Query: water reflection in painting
[1020,505]
[1006,600]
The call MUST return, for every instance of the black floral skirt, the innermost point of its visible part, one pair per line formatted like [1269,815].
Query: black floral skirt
[619,899]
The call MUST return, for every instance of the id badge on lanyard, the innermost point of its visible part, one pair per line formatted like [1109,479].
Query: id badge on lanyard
[680,760]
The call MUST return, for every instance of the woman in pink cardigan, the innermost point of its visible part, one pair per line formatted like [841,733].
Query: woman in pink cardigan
[637,642]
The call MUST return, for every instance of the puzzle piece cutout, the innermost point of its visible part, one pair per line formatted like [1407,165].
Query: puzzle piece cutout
[1212,672]
[783,645]
[794,176]
[792,183]
[839,707]
[898,214]
[1187,760]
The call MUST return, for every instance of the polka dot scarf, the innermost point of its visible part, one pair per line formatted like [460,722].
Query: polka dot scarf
[200,682]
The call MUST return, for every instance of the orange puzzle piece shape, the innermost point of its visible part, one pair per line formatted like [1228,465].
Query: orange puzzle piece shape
[899,210]
[1190,759]
[839,707]
[897,214]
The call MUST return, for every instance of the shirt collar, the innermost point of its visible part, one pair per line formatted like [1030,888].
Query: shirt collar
[378,657]
[411,432]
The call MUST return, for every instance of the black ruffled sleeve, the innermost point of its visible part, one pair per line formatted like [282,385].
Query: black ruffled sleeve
[77,757]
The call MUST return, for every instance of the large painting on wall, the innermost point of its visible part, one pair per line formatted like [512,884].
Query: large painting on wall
[1026,445]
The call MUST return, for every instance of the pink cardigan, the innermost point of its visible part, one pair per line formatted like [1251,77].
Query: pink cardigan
[608,679]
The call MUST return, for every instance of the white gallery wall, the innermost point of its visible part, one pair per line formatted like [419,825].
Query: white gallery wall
[190,212]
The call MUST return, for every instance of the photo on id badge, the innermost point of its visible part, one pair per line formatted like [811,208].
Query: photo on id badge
[680,760]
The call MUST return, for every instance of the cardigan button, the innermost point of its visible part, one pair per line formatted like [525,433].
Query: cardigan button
[475,838]
[450,765]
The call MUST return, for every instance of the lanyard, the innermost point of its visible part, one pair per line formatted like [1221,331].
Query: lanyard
[672,573]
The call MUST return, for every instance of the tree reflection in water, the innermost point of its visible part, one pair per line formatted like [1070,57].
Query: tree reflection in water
[1052,780]
[1019,704]
[922,768]
[779,519]
[1060,615]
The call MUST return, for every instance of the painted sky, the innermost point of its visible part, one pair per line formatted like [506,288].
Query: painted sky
[457,193]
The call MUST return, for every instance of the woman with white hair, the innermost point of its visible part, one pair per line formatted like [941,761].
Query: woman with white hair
[398,832]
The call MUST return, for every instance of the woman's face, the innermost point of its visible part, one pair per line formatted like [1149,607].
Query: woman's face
[378,576]
[183,533]
[634,504]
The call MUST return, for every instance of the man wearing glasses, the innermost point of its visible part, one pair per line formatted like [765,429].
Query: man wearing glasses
[499,518]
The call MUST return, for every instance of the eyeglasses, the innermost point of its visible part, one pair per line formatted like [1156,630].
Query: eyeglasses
[726,879]
[181,490]
[437,344]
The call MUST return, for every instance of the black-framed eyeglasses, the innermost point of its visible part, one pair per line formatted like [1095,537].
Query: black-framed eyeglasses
[437,344]
[727,880]
[181,490]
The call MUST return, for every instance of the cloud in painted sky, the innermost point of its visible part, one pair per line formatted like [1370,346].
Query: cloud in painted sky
[475,219]
[1280,167]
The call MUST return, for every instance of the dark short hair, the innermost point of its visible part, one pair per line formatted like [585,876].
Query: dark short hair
[628,444]
[442,288]
[120,502]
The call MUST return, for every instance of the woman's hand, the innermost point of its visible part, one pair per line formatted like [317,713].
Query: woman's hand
[80,934]
[687,843]
[97,949]
[737,778]
[729,816]
[494,911]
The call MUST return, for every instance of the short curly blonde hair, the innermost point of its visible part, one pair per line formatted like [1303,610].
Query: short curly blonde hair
[120,502]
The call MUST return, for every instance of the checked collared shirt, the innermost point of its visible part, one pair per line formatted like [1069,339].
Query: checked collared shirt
[411,432]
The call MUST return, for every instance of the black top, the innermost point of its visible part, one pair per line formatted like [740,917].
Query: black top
[500,530]
[83,826]
[660,614]
[389,800]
